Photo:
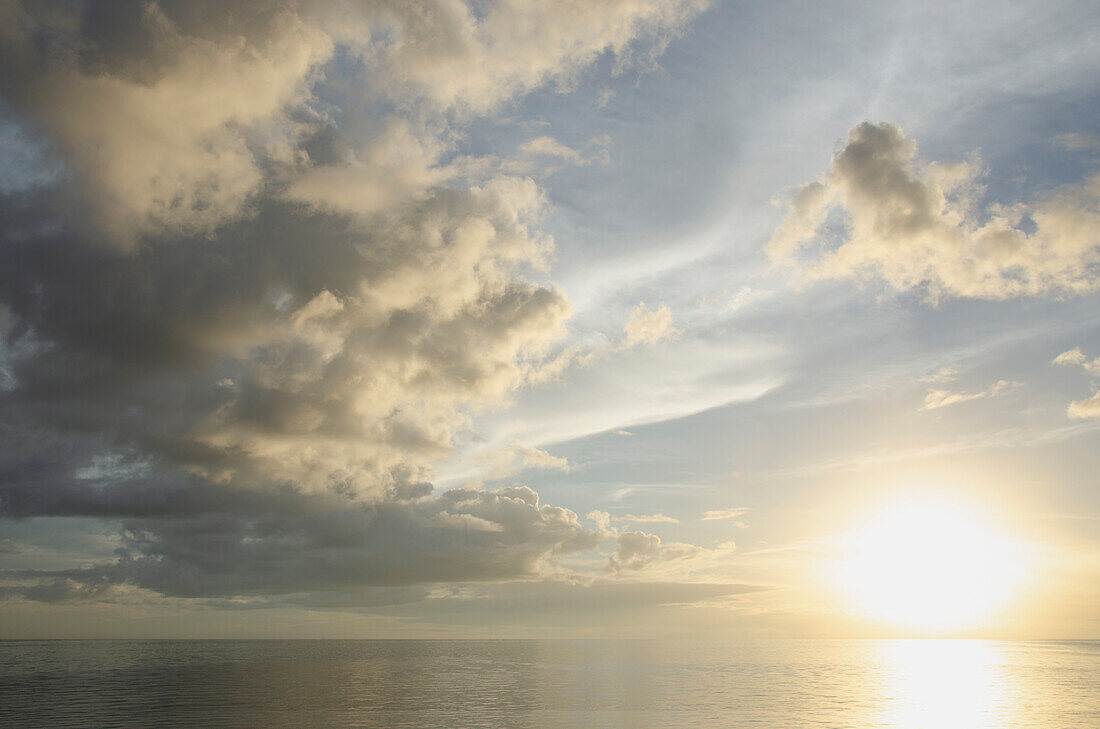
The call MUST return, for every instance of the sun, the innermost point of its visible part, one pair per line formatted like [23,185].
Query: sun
[930,565]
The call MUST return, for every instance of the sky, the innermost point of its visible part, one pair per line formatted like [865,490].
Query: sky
[466,318]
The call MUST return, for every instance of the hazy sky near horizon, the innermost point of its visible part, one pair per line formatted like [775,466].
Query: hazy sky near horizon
[330,318]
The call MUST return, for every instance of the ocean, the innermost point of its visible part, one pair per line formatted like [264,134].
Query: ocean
[460,684]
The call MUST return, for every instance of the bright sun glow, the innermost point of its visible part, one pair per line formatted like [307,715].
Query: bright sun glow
[930,565]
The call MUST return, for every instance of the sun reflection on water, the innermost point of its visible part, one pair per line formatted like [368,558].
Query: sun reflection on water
[946,684]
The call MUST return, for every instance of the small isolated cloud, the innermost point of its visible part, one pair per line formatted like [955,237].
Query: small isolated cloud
[942,398]
[1076,357]
[648,327]
[638,550]
[942,375]
[917,225]
[1088,408]
[546,147]
[623,432]
[729,303]
[516,458]
[720,514]
[657,518]
[1070,357]
[621,493]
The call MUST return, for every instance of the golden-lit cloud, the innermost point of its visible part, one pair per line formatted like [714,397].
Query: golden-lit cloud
[1088,408]
[648,327]
[546,146]
[333,305]
[456,59]
[176,144]
[722,514]
[270,290]
[942,398]
[515,458]
[1076,357]
[880,211]
[657,518]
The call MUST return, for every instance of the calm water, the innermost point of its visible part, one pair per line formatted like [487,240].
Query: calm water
[460,684]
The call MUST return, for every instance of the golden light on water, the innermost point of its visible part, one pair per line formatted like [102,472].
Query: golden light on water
[946,684]
[930,565]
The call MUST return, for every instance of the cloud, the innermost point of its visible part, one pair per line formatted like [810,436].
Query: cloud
[265,292]
[241,544]
[396,165]
[942,398]
[643,327]
[456,57]
[1088,408]
[880,211]
[602,519]
[720,514]
[178,146]
[649,518]
[547,148]
[635,550]
[59,590]
[648,327]
[177,113]
[943,375]
[516,458]
[1076,357]
[639,550]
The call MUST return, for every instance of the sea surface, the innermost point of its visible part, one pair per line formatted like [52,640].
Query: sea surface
[916,684]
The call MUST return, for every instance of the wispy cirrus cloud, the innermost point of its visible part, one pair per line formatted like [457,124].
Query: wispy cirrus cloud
[657,518]
[942,398]
[722,514]
[516,458]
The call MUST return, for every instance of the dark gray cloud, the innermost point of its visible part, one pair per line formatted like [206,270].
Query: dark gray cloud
[255,546]
[248,315]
